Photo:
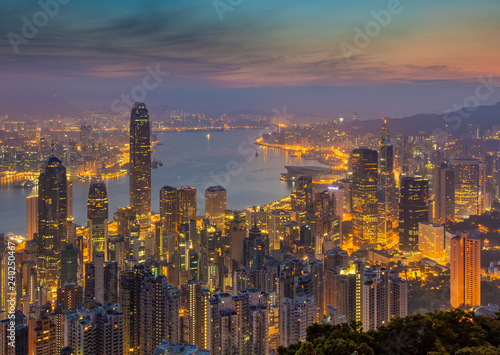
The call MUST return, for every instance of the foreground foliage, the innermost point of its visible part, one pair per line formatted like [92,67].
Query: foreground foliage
[452,332]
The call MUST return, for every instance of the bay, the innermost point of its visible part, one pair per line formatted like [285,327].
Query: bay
[199,159]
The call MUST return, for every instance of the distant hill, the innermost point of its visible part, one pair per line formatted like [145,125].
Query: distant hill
[484,116]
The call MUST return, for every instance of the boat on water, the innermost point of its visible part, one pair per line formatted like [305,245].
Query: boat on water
[25,184]
[154,164]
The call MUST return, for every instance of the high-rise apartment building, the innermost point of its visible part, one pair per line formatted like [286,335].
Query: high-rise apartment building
[465,271]
[101,281]
[140,165]
[130,295]
[296,315]
[96,331]
[159,313]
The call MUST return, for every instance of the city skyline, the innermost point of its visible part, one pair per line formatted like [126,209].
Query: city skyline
[216,177]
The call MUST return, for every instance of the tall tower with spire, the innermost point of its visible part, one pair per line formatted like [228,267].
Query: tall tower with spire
[140,165]
[388,207]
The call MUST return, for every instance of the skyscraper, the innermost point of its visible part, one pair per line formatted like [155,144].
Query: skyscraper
[168,208]
[469,187]
[31,216]
[387,187]
[187,203]
[97,217]
[465,271]
[215,204]
[52,218]
[413,209]
[140,165]
[444,194]
[364,198]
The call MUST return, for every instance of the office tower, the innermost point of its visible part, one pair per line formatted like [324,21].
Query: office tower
[69,264]
[31,216]
[45,342]
[431,240]
[296,316]
[465,271]
[364,195]
[101,281]
[413,209]
[70,296]
[302,197]
[444,194]
[199,313]
[215,204]
[96,331]
[130,295]
[168,208]
[177,206]
[140,165]
[277,220]
[469,187]
[186,203]
[97,217]
[159,313]
[387,186]
[52,218]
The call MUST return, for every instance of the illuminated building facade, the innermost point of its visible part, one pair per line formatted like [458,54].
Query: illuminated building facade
[97,217]
[413,209]
[387,186]
[469,187]
[215,204]
[431,240]
[140,165]
[364,195]
[52,218]
[277,220]
[465,271]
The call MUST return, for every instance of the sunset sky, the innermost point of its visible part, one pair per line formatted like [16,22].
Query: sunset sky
[262,54]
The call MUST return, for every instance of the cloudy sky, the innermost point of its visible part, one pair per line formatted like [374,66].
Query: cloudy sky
[231,55]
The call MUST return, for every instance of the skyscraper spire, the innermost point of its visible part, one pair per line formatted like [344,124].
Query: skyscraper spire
[140,164]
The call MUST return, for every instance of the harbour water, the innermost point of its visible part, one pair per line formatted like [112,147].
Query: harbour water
[199,159]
